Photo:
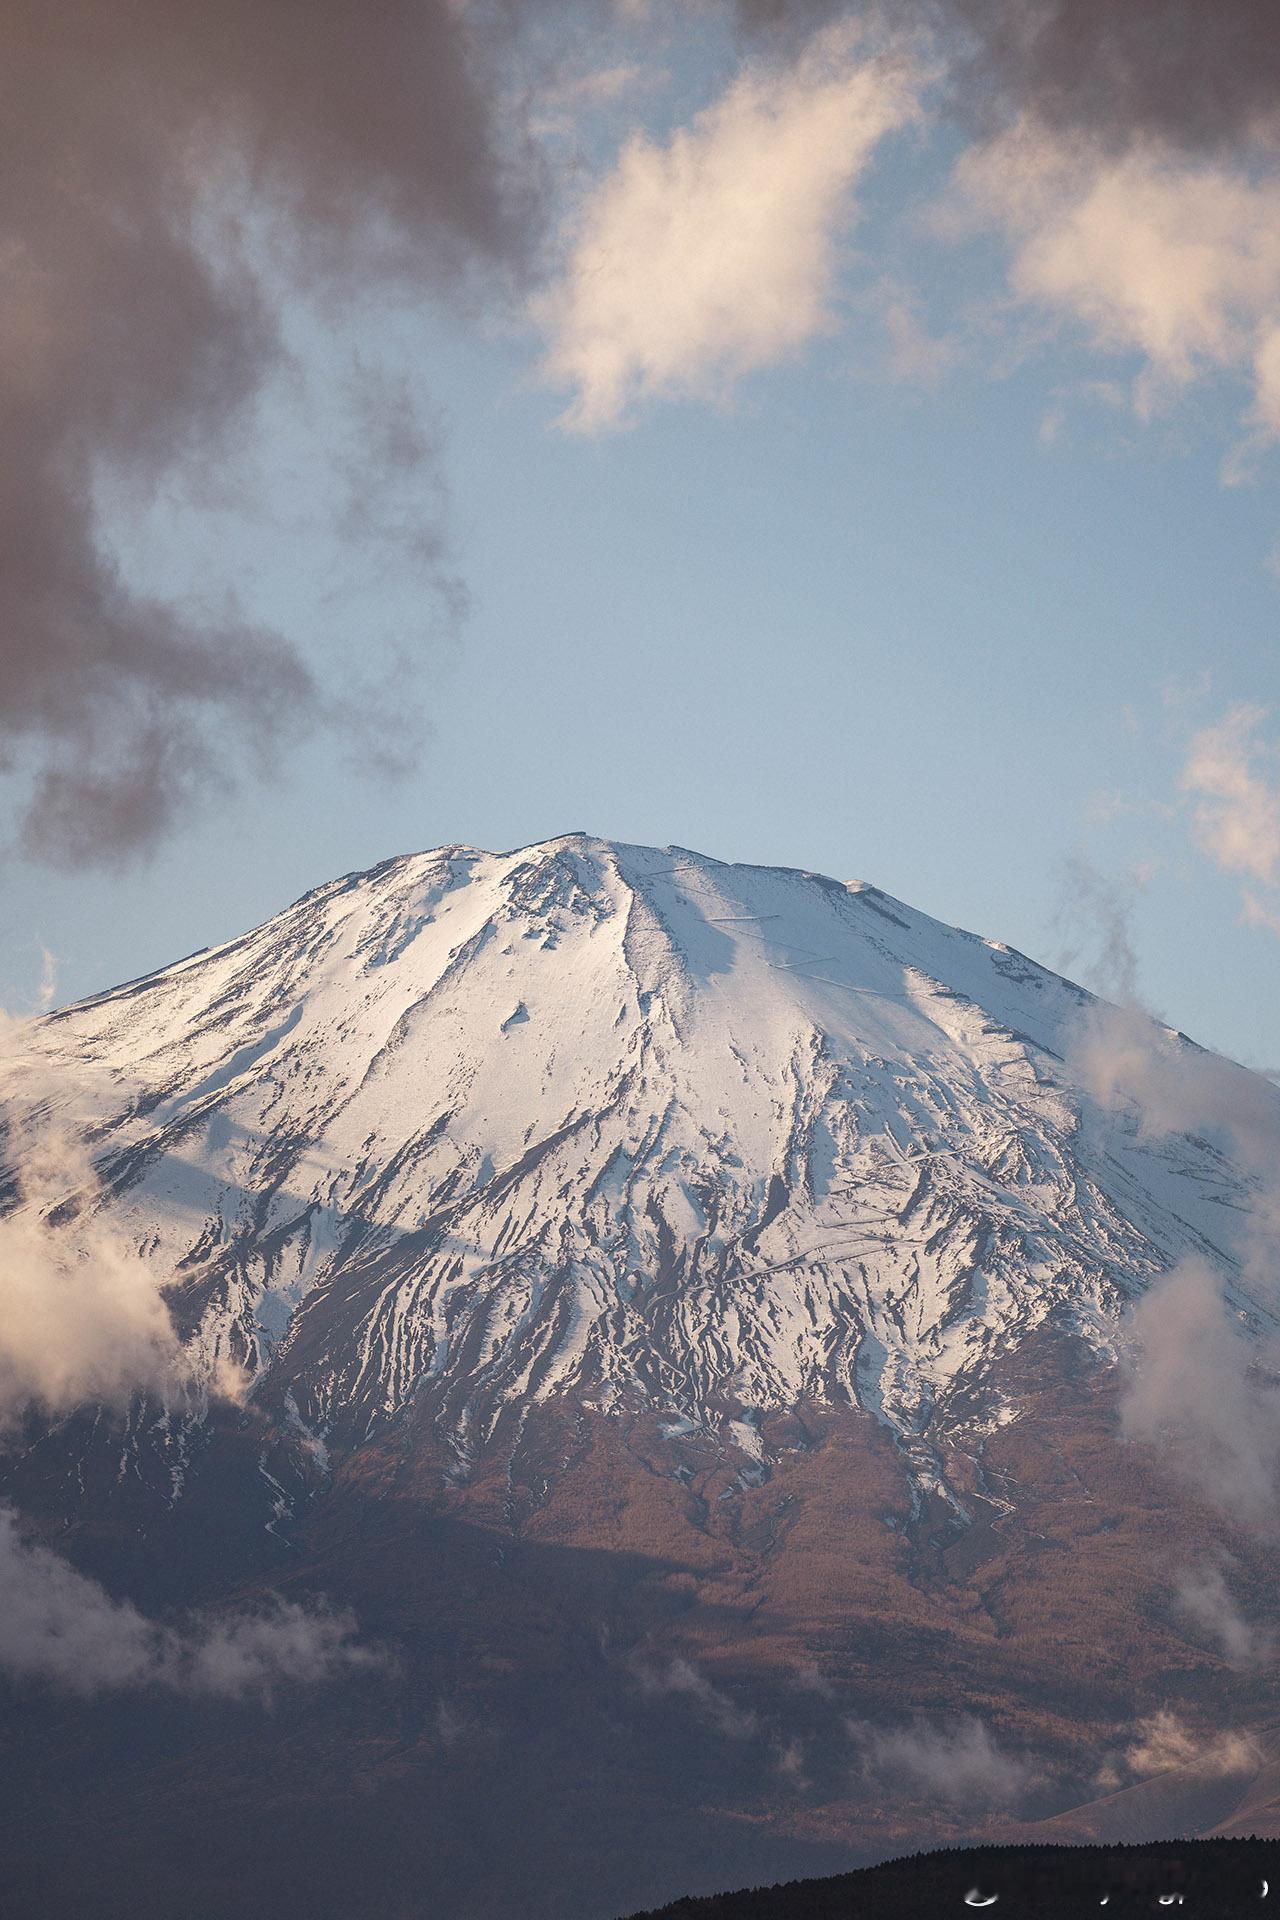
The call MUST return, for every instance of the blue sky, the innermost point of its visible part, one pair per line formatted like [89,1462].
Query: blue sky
[945,621]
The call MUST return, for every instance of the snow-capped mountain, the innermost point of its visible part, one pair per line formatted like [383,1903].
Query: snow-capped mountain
[677,1302]
[631,1125]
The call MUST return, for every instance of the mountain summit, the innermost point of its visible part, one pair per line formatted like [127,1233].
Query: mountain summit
[472,1131]
[673,1308]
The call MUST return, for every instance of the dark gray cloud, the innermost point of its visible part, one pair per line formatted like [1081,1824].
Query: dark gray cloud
[1197,74]
[367,137]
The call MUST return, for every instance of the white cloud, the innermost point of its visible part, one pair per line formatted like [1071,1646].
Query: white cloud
[1163,1743]
[682,1677]
[1257,912]
[916,356]
[697,260]
[1195,1395]
[1201,1596]
[77,1322]
[83,1317]
[1238,815]
[1197,1387]
[64,1630]
[961,1762]
[1174,258]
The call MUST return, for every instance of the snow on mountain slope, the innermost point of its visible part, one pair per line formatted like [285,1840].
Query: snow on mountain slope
[476,1130]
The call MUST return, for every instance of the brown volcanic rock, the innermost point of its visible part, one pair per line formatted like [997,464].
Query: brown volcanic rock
[632,1677]
[700,1385]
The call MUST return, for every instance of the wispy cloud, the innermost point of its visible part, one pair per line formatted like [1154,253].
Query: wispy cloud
[1234,776]
[1093,917]
[1203,1598]
[959,1762]
[1173,258]
[142,151]
[64,1630]
[1198,1386]
[564,102]
[682,1678]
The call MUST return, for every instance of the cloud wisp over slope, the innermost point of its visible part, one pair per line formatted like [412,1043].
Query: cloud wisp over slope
[1200,1378]
[63,1630]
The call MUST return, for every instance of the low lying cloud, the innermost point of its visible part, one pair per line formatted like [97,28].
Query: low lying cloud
[698,260]
[1196,1393]
[1201,1385]
[1127,1059]
[460,1726]
[681,1677]
[960,1762]
[64,1630]
[82,1315]
[790,1760]
[1203,1599]
[1163,1743]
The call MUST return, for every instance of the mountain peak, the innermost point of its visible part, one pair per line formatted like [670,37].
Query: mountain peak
[471,1130]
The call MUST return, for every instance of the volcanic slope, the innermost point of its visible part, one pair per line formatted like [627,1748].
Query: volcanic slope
[675,1307]
[475,1131]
